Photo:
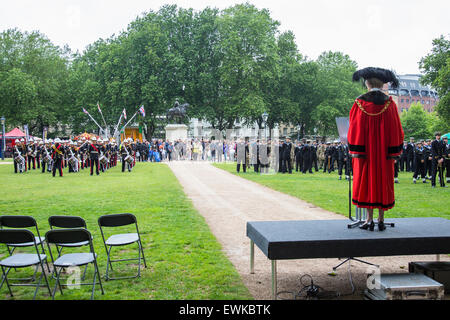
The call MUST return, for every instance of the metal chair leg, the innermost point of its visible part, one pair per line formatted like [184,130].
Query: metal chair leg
[5,279]
[93,286]
[142,250]
[57,283]
[84,273]
[46,280]
[108,263]
[38,285]
[99,277]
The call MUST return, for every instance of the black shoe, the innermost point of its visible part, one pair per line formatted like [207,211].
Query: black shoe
[381,226]
[368,226]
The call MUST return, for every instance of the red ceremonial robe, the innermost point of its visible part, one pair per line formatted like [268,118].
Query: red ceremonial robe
[375,139]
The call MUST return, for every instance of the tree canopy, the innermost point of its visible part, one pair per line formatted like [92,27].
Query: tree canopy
[436,68]
[230,65]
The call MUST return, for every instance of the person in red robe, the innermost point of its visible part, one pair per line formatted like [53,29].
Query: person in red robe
[375,140]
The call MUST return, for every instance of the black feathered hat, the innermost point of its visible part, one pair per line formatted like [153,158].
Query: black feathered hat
[378,73]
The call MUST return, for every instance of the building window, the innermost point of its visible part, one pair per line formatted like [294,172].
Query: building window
[402,100]
[285,131]
[407,100]
[404,92]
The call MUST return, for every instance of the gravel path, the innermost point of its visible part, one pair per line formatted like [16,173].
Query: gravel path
[227,202]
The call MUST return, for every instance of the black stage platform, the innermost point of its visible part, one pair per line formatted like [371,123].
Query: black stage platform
[281,240]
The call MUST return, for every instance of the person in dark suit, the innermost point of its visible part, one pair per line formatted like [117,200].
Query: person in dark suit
[280,155]
[446,158]
[342,160]
[437,153]
[410,155]
[298,157]
[288,151]
[428,158]
[419,162]
[314,160]
[328,154]
[307,157]
[404,157]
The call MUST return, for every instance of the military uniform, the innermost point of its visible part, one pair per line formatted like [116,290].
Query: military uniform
[242,152]
[314,162]
[447,160]
[343,155]
[329,158]
[437,153]
[46,150]
[58,158]
[321,155]
[287,157]
[428,159]
[125,150]
[410,156]
[19,150]
[298,157]
[404,157]
[94,154]
[419,163]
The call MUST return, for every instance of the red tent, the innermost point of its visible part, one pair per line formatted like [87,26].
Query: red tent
[11,136]
[14,134]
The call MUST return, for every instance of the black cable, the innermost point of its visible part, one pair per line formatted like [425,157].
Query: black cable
[310,291]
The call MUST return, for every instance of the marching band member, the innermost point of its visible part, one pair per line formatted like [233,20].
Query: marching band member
[93,150]
[46,149]
[19,153]
[58,157]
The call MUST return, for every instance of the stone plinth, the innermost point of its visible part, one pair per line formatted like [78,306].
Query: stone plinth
[176,131]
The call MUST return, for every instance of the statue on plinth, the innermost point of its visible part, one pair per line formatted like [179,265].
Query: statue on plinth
[177,114]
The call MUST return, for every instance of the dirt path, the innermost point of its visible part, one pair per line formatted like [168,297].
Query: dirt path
[228,202]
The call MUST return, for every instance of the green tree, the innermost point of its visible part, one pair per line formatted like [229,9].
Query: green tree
[436,69]
[33,80]
[248,44]
[416,122]
[337,89]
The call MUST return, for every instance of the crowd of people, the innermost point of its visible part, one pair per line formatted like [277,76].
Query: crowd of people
[424,159]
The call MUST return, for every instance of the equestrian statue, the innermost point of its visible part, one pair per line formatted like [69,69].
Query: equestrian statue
[177,113]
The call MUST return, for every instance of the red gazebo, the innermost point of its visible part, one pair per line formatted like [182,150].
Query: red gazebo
[11,136]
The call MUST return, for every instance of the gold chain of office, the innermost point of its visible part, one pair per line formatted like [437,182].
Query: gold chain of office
[373,114]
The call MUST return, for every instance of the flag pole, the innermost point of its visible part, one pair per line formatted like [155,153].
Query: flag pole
[129,121]
[98,106]
[118,123]
[85,111]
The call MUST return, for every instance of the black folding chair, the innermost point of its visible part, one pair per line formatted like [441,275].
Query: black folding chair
[68,222]
[22,260]
[116,240]
[64,237]
[23,222]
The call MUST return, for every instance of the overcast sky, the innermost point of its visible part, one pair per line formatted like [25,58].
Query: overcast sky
[390,34]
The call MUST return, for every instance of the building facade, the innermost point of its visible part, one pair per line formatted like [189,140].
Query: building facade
[411,91]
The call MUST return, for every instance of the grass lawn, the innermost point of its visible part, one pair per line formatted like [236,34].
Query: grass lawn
[326,191]
[184,259]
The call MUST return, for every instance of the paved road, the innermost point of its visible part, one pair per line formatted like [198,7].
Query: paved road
[227,202]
